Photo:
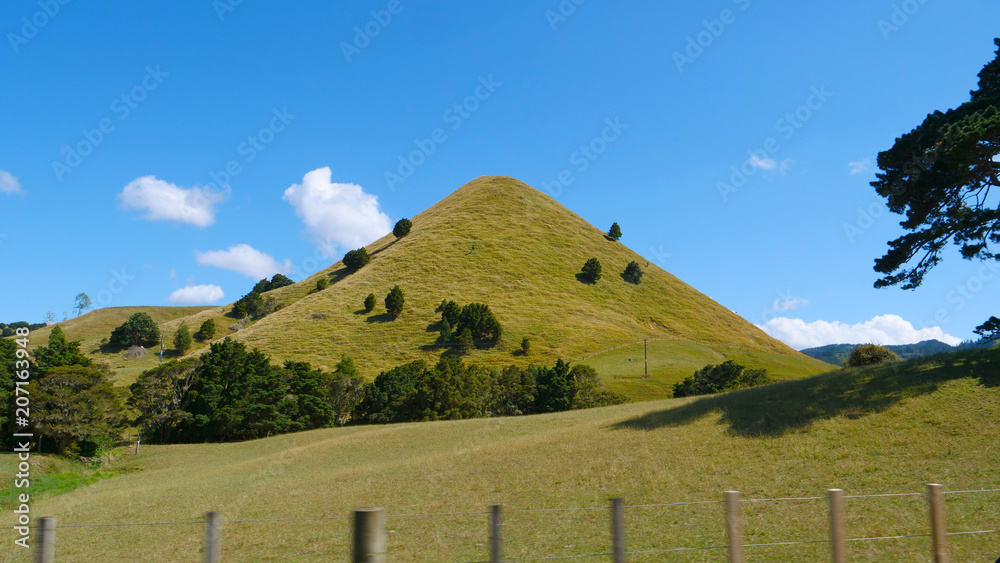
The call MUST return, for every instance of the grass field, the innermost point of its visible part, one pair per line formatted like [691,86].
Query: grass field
[879,430]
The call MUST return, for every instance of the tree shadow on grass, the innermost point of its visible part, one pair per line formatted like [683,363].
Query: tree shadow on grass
[584,278]
[380,318]
[789,406]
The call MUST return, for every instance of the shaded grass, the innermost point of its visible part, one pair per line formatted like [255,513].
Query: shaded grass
[880,430]
[51,475]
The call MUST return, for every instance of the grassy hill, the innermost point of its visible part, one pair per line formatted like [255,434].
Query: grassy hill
[878,430]
[499,241]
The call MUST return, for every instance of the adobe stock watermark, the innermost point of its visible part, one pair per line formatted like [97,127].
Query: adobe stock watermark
[901,14]
[563,11]
[122,107]
[786,127]
[698,43]
[963,294]
[224,7]
[31,26]
[867,216]
[250,148]
[365,34]
[455,116]
[586,154]
[119,281]
[660,256]
[785,301]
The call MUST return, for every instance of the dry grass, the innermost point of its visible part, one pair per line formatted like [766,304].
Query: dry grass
[876,430]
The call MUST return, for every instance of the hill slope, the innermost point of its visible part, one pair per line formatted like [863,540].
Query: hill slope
[878,430]
[499,241]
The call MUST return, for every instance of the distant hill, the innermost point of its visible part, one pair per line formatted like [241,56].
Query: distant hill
[837,354]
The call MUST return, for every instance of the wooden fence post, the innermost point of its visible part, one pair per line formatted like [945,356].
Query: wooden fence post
[935,497]
[496,534]
[838,543]
[734,526]
[369,535]
[213,537]
[618,530]
[45,547]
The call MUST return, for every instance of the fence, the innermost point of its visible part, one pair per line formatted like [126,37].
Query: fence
[368,529]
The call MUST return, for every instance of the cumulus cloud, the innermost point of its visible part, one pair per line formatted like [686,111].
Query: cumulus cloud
[196,295]
[882,329]
[769,164]
[163,201]
[9,183]
[860,166]
[789,303]
[337,214]
[244,259]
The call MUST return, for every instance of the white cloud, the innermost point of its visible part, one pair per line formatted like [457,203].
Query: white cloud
[860,166]
[340,214]
[164,201]
[763,163]
[244,259]
[882,329]
[196,295]
[789,303]
[9,183]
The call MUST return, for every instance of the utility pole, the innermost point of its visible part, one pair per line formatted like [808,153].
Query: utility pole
[645,361]
[161,348]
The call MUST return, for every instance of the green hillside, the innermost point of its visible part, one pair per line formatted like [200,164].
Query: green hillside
[878,430]
[499,241]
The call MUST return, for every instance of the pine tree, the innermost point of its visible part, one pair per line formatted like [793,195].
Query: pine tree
[615,232]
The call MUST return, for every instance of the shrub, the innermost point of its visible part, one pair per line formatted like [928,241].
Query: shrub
[354,260]
[632,273]
[402,228]
[279,280]
[615,232]
[525,346]
[589,391]
[464,341]
[207,330]
[726,376]
[592,270]
[450,312]
[370,303]
[394,302]
[870,355]
[480,321]
[445,332]
[182,338]
[322,283]
[139,329]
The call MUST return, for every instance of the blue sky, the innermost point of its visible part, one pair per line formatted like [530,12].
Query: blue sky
[180,149]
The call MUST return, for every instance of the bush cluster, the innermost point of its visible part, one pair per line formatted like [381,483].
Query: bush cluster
[354,260]
[138,330]
[727,376]
[463,326]
[870,355]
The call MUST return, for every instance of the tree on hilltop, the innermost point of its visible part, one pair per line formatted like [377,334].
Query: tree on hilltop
[402,228]
[139,329]
[354,260]
[615,232]
[82,303]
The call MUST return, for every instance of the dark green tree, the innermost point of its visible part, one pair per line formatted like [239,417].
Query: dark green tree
[8,375]
[990,330]
[354,260]
[726,376]
[513,392]
[385,399]
[632,273]
[75,403]
[402,228]
[480,321]
[138,330]
[554,388]
[464,342]
[279,280]
[939,176]
[445,334]
[450,311]
[451,391]
[322,283]
[207,331]
[236,395]
[306,403]
[615,232]
[60,352]
[525,346]
[394,301]
[158,395]
[182,339]
[370,303]
[592,270]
